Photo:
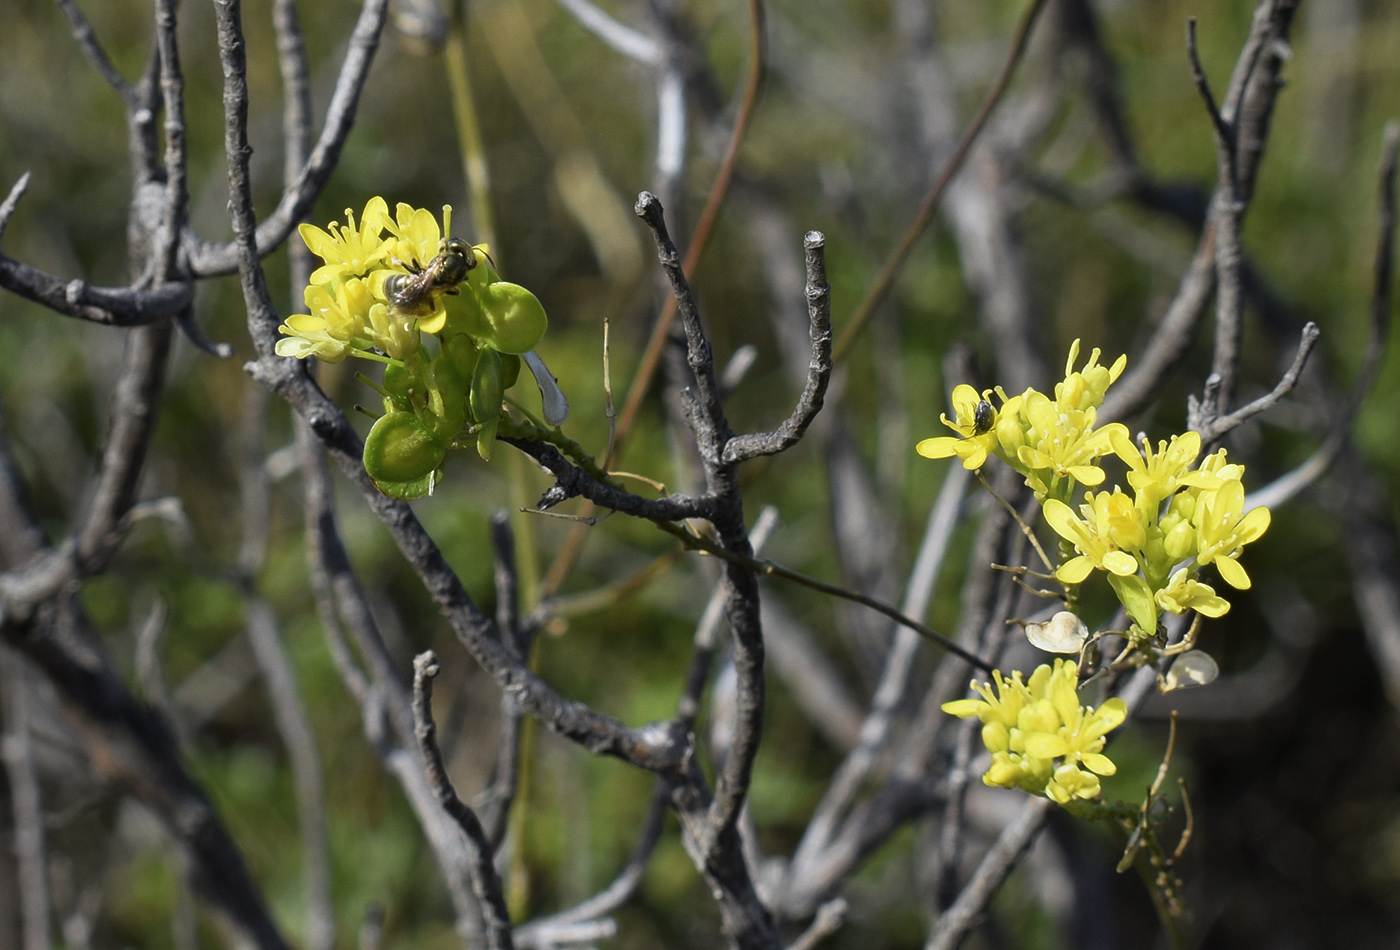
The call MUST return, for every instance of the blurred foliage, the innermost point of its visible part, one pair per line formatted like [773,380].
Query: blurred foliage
[1298,836]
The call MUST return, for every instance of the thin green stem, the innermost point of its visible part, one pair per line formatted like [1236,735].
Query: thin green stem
[474,168]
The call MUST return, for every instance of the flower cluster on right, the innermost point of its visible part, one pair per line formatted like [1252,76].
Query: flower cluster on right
[1152,543]
[1181,515]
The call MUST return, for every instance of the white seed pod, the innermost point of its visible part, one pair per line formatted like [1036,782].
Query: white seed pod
[1064,633]
[552,398]
[1192,668]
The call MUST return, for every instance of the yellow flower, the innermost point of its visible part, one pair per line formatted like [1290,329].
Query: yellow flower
[335,327]
[307,335]
[1183,592]
[417,236]
[1069,782]
[1111,527]
[394,333]
[1085,389]
[347,250]
[1223,528]
[976,425]
[1156,475]
[1079,737]
[1061,443]
[1002,708]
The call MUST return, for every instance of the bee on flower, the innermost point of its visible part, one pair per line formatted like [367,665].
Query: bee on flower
[387,281]
[977,425]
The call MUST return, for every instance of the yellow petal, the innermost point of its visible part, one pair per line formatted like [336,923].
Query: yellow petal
[434,322]
[1120,563]
[963,708]
[940,447]
[1253,524]
[1087,474]
[1043,745]
[973,454]
[1098,763]
[1232,573]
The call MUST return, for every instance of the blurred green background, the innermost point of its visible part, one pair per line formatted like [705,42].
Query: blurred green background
[1298,797]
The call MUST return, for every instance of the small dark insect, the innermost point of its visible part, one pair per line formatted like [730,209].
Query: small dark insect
[414,292]
[983,418]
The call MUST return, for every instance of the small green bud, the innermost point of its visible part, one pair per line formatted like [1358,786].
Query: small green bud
[1180,541]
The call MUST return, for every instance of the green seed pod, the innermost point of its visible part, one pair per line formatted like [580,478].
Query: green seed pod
[516,317]
[487,390]
[499,314]
[447,397]
[510,370]
[400,448]
[409,491]
[462,351]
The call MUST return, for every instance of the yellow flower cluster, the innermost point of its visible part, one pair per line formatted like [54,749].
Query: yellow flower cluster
[1053,443]
[1152,543]
[1041,740]
[389,278]
[384,283]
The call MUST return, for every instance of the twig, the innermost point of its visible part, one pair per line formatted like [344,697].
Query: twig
[1247,108]
[544,932]
[712,431]
[885,279]
[485,881]
[1213,429]
[294,727]
[1222,130]
[381,695]
[894,678]
[1227,212]
[209,260]
[631,43]
[16,747]
[11,202]
[669,149]
[172,86]
[651,356]
[82,32]
[500,792]
[110,306]
[965,911]
[762,566]
[830,916]
[707,631]
[469,142]
[148,672]
[744,447]
[1382,293]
